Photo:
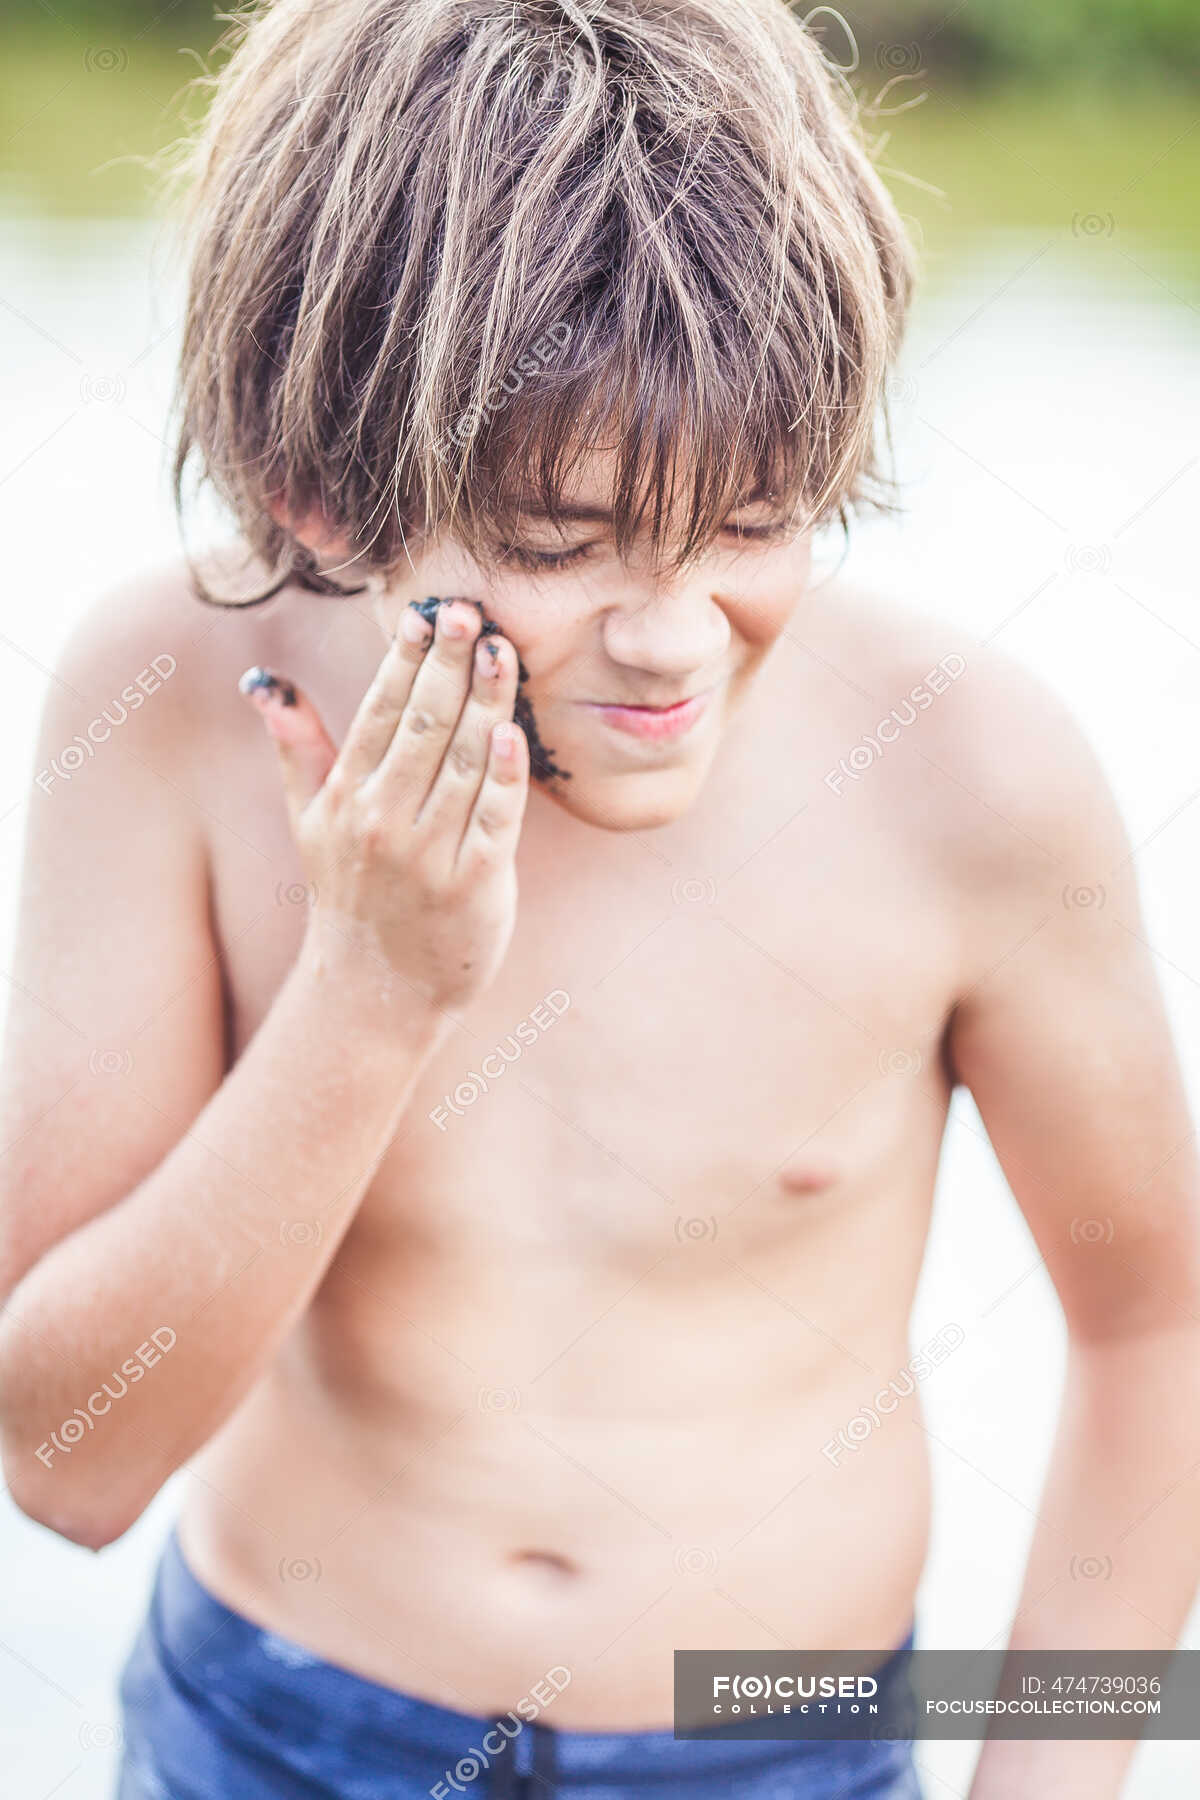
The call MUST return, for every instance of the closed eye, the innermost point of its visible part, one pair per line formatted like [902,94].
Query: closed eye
[776,533]
[524,557]
[536,560]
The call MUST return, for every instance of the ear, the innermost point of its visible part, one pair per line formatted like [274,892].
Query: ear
[313,529]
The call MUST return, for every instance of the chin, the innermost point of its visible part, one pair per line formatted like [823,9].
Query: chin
[634,802]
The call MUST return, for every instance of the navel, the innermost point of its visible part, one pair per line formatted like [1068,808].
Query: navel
[544,1562]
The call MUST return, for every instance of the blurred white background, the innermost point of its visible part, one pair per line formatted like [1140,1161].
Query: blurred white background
[1047,410]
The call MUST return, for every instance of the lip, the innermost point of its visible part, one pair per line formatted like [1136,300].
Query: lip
[653,721]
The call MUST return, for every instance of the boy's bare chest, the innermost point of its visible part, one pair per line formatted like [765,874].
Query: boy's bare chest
[688,1026]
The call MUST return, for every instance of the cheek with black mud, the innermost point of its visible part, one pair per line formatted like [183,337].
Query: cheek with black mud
[541,761]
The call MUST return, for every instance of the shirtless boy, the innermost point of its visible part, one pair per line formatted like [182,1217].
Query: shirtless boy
[494,1160]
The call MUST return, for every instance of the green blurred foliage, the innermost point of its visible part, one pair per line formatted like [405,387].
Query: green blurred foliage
[1032,110]
[1045,39]
[976,38]
[164,18]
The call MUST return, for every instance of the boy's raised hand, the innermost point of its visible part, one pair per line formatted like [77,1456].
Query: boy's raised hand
[408,833]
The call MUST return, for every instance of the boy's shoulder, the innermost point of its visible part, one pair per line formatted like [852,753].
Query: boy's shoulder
[148,630]
[995,763]
[148,612]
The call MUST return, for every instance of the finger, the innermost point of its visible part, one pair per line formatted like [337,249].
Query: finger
[431,713]
[491,699]
[495,821]
[306,751]
[374,723]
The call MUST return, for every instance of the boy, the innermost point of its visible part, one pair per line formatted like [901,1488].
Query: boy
[479,1115]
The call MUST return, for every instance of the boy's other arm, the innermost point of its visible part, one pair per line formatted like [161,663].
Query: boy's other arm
[1065,1046]
[145,1194]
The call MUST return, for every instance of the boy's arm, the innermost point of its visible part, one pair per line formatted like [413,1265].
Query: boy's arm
[144,1200]
[1067,1050]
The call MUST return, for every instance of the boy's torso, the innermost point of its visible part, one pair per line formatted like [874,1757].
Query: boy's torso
[648,1236]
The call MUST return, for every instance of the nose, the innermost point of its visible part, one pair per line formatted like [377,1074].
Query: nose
[669,624]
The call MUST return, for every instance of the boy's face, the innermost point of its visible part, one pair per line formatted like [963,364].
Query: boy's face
[633,675]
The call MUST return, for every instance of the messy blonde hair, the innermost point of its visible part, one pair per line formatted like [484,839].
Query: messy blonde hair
[441,249]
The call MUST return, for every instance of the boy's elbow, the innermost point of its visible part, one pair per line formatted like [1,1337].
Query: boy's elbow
[43,1480]
[89,1520]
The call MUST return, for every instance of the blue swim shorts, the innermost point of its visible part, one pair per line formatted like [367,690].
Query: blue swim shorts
[215,1708]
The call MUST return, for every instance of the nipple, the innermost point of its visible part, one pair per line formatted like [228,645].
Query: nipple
[806,1178]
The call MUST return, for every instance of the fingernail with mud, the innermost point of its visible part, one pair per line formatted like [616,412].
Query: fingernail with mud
[414,628]
[263,684]
[427,609]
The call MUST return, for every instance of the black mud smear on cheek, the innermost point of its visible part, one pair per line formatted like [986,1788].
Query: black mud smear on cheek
[541,761]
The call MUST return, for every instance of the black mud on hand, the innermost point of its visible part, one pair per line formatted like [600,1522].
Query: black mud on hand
[541,760]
